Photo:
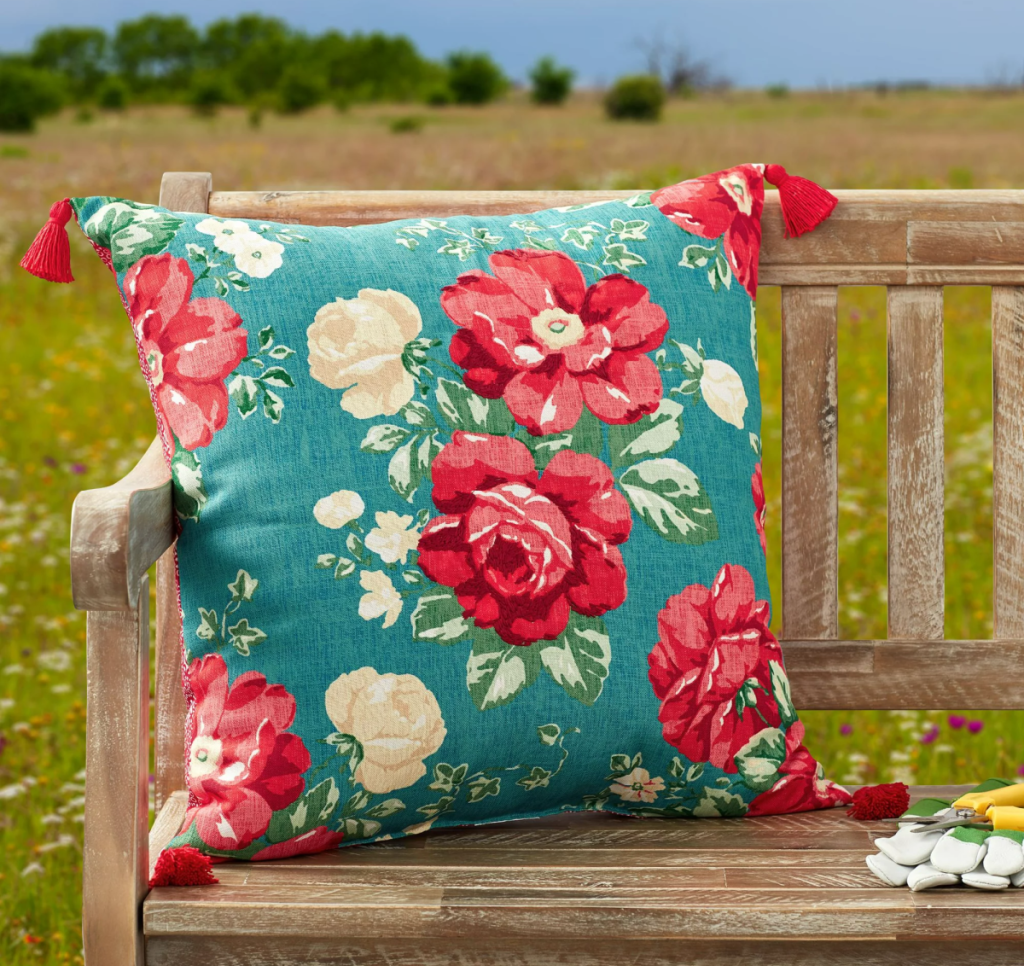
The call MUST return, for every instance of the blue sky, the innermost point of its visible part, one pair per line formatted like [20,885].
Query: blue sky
[803,43]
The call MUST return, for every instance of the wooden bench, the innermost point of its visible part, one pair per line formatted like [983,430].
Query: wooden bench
[591,889]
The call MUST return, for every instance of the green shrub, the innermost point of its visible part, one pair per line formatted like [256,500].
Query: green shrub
[549,83]
[777,91]
[112,94]
[78,54]
[474,78]
[299,89]
[26,94]
[208,91]
[636,98]
[406,124]
[438,95]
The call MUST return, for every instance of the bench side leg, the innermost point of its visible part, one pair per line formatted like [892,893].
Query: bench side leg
[115,861]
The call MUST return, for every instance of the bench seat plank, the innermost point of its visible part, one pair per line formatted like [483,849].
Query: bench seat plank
[570,888]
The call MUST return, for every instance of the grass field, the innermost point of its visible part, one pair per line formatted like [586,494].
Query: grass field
[74,412]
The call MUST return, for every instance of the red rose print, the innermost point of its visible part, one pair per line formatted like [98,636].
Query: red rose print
[243,764]
[728,203]
[521,551]
[802,786]
[536,335]
[712,641]
[757,492]
[190,346]
[319,840]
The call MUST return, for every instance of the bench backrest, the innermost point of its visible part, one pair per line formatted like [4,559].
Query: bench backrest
[913,242]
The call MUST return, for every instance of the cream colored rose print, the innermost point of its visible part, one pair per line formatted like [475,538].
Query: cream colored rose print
[395,719]
[357,345]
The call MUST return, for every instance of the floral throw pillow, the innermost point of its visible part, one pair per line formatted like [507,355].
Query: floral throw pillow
[471,515]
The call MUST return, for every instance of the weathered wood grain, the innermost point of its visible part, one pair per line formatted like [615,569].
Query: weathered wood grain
[916,465]
[1008,460]
[169,713]
[115,859]
[883,675]
[166,825]
[118,532]
[865,242]
[810,426]
[186,190]
[965,243]
[481,951]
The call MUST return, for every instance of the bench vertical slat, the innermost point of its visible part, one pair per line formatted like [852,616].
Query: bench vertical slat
[179,191]
[115,860]
[916,465]
[810,562]
[1008,459]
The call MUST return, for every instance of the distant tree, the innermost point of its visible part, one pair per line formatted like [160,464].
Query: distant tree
[208,91]
[474,78]
[77,53]
[26,94]
[299,90]
[550,84]
[373,67]
[253,51]
[637,98]
[156,53]
[680,73]
[112,94]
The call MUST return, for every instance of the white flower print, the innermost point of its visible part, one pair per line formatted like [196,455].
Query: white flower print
[357,345]
[638,786]
[397,721]
[393,537]
[722,389]
[381,599]
[255,255]
[338,509]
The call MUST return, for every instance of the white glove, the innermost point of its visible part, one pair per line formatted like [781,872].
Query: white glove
[1005,855]
[908,847]
[891,873]
[926,876]
[960,850]
[982,880]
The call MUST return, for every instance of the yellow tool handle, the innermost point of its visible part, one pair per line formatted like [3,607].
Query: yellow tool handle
[981,802]
[1006,817]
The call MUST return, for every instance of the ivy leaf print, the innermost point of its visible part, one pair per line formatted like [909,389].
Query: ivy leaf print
[635,230]
[621,258]
[243,587]
[548,734]
[243,637]
[209,627]
[483,786]
[538,778]
[582,237]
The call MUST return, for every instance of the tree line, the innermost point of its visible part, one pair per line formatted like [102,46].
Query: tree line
[250,60]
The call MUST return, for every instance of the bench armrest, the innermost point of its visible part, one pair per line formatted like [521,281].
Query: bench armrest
[118,532]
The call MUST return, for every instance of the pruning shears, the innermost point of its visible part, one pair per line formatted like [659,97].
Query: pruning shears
[996,808]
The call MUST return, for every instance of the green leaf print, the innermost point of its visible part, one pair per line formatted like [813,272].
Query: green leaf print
[483,786]
[718,803]
[578,660]
[243,587]
[438,618]
[410,465]
[759,759]
[189,492]
[650,435]
[671,501]
[464,409]
[243,637]
[310,810]
[384,438]
[621,258]
[496,672]
[781,693]
[131,230]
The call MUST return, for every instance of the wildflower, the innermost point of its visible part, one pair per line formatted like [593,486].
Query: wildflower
[1020,771]
[930,735]
[78,468]
[33,868]
[975,726]
[956,721]
[846,729]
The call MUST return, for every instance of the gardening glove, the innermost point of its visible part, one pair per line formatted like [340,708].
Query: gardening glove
[960,850]
[982,880]
[926,876]
[1005,855]
[908,847]
[891,873]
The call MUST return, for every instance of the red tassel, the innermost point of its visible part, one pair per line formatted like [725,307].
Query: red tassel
[183,866]
[49,256]
[880,801]
[805,205]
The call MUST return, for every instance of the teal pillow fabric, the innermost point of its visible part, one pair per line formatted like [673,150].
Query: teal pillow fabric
[471,515]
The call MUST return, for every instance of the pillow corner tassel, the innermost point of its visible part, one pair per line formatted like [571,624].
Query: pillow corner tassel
[805,205]
[49,256]
[182,866]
